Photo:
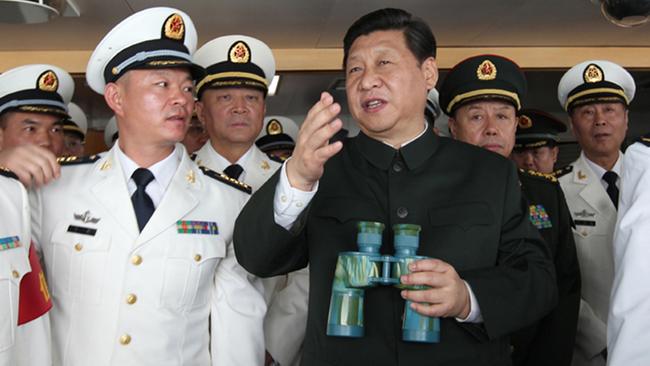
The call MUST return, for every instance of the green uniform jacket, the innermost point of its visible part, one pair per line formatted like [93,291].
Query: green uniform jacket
[473,216]
[551,340]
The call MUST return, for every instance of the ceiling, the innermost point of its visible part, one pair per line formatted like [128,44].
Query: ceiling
[562,25]
[322,23]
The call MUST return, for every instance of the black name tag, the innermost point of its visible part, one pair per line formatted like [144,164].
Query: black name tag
[585,222]
[82,230]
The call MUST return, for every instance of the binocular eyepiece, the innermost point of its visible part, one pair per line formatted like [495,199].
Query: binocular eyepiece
[367,268]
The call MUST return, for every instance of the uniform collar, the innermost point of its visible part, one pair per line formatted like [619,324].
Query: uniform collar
[414,152]
[600,171]
[163,171]
[222,163]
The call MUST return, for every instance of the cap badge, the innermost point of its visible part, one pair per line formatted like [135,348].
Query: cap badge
[593,74]
[274,127]
[239,53]
[48,81]
[486,71]
[525,122]
[174,27]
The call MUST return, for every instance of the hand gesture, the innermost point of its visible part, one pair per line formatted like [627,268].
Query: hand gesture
[313,149]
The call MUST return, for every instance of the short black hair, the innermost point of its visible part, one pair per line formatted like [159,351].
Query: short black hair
[418,35]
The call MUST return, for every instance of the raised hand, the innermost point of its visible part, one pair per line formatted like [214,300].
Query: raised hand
[313,149]
[35,166]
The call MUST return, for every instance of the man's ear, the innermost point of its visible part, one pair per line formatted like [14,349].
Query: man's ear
[114,97]
[200,112]
[452,127]
[430,71]
[555,150]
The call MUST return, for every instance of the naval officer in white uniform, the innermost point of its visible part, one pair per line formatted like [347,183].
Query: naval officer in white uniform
[137,243]
[231,105]
[33,101]
[596,95]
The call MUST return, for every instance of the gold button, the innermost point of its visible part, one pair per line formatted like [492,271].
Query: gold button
[125,339]
[136,260]
[78,247]
[197,257]
[131,299]
[15,273]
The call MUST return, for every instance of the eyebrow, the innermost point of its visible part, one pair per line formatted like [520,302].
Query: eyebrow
[31,122]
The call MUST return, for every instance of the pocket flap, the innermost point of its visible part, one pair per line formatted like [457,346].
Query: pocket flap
[463,214]
[344,209]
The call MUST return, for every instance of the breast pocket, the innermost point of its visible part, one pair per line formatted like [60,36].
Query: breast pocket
[188,270]
[457,229]
[77,265]
[14,264]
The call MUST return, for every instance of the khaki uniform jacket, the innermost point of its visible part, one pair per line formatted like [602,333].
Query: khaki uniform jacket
[122,297]
[286,295]
[29,343]
[594,216]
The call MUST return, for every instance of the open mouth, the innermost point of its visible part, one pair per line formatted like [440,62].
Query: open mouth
[373,105]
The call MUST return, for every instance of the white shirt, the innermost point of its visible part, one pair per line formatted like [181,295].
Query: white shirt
[600,171]
[222,163]
[163,172]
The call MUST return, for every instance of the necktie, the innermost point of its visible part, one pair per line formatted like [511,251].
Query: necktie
[610,178]
[233,171]
[142,203]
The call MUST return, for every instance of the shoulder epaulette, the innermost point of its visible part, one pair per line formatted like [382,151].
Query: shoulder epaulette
[645,139]
[277,159]
[533,173]
[227,180]
[7,173]
[564,171]
[76,160]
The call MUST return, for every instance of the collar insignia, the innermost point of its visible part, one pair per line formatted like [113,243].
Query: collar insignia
[581,175]
[486,71]
[48,81]
[105,165]
[174,27]
[265,165]
[593,74]
[239,53]
[525,122]
[191,178]
[86,218]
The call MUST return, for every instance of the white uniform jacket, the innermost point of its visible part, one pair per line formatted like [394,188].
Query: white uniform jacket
[629,317]
[594,216]
[286,296]
[29,343]
[122,297]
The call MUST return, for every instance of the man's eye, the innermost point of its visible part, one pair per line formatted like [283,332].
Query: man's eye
[354,69]
[162,84]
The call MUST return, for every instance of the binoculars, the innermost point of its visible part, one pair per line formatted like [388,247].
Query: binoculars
[358,271]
